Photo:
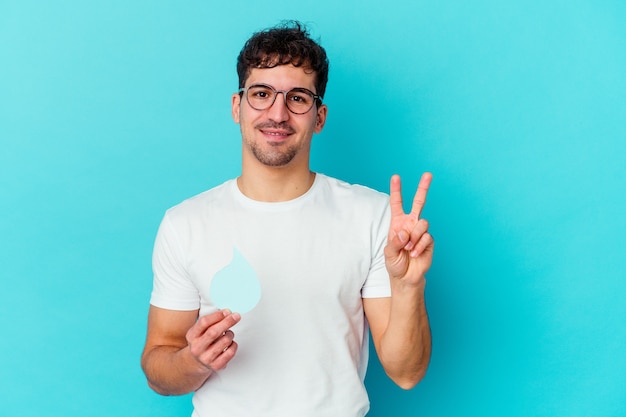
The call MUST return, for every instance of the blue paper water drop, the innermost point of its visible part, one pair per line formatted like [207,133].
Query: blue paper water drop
[236,286]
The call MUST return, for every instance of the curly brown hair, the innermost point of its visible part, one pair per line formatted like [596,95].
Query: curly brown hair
[284,44]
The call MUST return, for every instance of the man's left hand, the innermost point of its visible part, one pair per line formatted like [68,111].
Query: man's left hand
[409,250]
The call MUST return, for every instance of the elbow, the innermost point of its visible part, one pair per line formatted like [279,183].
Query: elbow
[406,376]
[406,385]
[159,390]
[407,382]
[154,386]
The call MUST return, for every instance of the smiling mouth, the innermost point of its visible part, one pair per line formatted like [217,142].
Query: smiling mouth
[277,134]
[276,130]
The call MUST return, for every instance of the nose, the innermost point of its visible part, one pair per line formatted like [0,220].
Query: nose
[278,111]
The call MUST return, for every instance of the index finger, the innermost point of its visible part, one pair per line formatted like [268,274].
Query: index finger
[420,195]
[395,196]
[212,319]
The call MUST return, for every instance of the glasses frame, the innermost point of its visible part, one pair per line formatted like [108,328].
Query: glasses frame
[317,99]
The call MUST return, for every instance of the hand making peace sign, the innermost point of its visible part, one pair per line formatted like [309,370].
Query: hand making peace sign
[409,250]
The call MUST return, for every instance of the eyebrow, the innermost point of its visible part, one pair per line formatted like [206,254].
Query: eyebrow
[293,88]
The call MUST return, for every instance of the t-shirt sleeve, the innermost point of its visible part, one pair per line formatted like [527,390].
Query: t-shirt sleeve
[377,283]
[172,288]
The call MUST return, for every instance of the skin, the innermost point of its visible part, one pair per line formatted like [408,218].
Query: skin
[182,350]
[399,324]
[275,133]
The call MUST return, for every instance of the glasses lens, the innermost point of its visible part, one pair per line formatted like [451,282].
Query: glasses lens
[261,97]
[299,101]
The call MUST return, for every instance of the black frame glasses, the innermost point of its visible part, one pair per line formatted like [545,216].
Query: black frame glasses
[298,100]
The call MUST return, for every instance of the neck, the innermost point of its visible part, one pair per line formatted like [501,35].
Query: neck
[275,184]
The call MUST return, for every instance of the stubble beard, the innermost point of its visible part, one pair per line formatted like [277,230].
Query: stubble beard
[276,154]
[273,157]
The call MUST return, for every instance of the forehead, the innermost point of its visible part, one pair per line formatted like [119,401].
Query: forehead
[283,77]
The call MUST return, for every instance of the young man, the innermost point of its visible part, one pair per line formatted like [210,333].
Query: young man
[334,262]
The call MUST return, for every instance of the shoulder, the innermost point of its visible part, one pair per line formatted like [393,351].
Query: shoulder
[208,200]
[353,192]
[353,202]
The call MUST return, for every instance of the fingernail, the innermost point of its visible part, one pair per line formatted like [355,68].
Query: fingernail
[402,235]
[226,312]
[236,316]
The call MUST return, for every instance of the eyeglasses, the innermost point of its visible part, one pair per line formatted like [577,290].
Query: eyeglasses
[262,97]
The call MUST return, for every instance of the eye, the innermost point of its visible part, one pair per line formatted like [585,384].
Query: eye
[299,97]
[260,92]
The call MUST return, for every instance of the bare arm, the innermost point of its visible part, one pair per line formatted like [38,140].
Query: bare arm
[399,324]
[401,335]
[182,351]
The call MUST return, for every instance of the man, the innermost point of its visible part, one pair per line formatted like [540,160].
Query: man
[334,262]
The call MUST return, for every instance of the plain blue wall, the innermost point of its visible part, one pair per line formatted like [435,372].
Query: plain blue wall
[112,111]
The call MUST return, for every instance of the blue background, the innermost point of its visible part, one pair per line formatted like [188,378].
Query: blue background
[113,111]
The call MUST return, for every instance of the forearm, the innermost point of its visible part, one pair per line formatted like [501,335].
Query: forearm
[405,346]
[171,370]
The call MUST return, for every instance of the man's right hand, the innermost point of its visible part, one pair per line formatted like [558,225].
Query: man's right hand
[211,341]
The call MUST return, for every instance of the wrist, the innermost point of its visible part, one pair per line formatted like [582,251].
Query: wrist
[403,286]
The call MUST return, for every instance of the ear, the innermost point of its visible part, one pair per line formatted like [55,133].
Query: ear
[320,120]
[235,107]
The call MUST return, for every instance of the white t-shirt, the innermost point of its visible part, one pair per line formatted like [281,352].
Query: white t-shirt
[303,349]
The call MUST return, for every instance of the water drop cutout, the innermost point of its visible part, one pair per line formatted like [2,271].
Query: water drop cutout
[236,286]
